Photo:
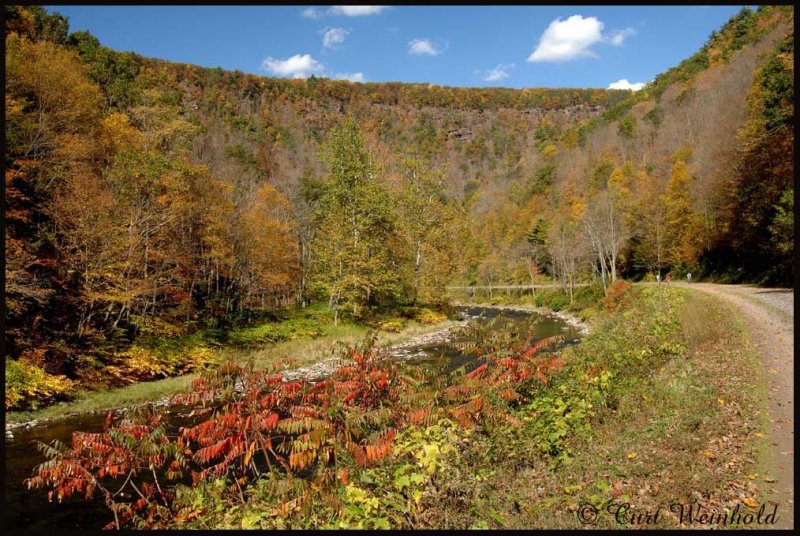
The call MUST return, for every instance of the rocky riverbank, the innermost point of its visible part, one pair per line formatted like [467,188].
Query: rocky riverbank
[312,373]
[412,348]
[571,319]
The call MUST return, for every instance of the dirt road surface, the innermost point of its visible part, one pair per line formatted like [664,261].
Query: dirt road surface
[769,314]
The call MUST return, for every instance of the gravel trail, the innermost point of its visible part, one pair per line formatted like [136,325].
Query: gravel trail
[769,315]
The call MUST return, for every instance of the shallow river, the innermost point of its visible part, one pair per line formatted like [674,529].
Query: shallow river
[25,508]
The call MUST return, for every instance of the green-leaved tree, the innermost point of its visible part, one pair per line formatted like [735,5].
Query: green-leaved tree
[428,221]
[356,241]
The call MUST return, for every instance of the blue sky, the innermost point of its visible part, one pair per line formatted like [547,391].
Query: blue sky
[507,46]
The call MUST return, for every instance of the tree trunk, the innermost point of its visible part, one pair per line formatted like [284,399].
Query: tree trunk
[531,272]
[603,272]
[416,272]
[613,267]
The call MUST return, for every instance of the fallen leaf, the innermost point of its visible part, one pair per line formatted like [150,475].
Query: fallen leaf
[750,502]
[632,455]
[617,488]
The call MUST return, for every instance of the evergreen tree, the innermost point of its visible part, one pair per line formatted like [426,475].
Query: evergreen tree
[536,238]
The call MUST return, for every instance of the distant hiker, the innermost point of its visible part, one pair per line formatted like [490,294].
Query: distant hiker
[689,277]
[658,278]
[668,278]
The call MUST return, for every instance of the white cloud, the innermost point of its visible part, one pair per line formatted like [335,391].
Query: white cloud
[333,36]
[303,66]
[568,39]
[423,46]
[498,73]
[312,13]
[353,77]
[356,11]
[618,37]
[298,66]
[624,84]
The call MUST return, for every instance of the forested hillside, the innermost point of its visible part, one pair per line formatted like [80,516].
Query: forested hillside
[148,197]
[692,174]
[697,167]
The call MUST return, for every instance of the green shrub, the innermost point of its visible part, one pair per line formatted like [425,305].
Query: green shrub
[587,297]
[271,332]
[626,127]
[552,299]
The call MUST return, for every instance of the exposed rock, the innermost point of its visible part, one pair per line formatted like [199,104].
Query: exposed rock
[464,134]
[570,319]
[410,349]
[316,372]
[429,338]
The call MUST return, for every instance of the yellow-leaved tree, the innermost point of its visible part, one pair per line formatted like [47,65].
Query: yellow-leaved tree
[684,238]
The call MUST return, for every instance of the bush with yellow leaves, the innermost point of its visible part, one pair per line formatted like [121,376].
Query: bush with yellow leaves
[29,387]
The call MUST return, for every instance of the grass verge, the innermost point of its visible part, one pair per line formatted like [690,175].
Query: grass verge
[682,422]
